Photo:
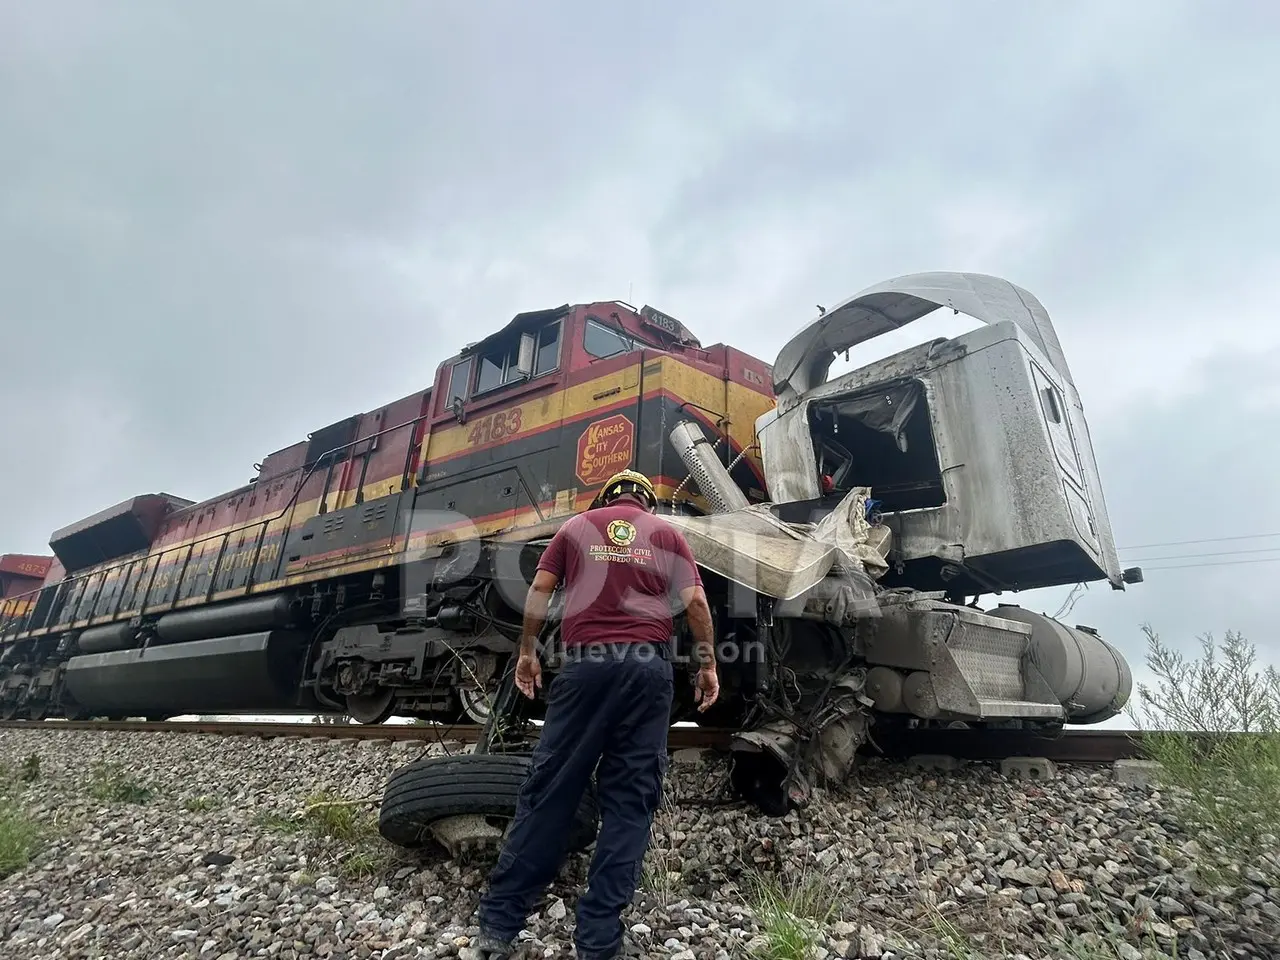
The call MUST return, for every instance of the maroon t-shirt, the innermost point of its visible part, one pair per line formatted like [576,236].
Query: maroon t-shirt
[623,569]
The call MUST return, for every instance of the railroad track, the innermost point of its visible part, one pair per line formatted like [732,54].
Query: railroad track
[1072,746]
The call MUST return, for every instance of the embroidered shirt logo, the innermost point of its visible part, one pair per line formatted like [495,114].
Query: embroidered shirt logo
[621,532]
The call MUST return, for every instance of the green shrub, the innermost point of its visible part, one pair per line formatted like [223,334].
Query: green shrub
[1213,724]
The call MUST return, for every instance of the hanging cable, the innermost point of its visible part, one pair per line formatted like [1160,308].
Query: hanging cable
[1183,543]
[1197,556]
[1214,563]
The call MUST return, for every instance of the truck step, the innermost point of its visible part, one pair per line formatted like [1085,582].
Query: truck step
[990,709]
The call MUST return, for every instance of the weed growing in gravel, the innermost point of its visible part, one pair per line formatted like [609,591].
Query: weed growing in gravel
[1102,941]
[791,913]
[1094,946]
[331,817]
[660,875]
[340,831]
[109,783]
[200,804]
[31,768]
[1229,788]
[20,837]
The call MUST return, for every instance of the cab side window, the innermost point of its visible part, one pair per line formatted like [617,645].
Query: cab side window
[601,341]
[497,368]
[459,377]
[498,365]
[548,355]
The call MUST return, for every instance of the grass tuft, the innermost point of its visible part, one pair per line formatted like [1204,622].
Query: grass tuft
[20,837]
[110,783]
[791,912]
[340,831]
[661,875]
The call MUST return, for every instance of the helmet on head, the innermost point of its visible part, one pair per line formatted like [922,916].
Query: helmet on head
[627,481]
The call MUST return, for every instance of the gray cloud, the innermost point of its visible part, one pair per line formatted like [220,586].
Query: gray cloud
[222,228]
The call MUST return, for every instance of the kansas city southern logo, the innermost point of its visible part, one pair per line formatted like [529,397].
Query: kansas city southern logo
[621,532]
[604,448]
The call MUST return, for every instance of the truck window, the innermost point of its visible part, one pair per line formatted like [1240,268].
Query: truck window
[601,341]
[881,438]
[498,364]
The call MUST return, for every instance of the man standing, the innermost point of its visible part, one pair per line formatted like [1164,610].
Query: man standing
[608,710]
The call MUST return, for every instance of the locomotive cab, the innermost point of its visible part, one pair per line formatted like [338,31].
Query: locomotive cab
[493,458]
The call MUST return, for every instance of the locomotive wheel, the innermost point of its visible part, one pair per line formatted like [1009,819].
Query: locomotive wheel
[371,708]
[476,704]
[470,797]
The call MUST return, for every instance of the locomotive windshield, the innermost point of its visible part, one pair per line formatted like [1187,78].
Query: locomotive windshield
[602,341]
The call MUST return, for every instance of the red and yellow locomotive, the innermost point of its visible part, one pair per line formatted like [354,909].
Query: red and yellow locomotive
[264,598]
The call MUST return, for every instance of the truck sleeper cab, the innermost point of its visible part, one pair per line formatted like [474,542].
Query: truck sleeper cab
[975,448]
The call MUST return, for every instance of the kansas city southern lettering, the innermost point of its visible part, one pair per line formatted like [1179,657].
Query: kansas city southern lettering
[604,448]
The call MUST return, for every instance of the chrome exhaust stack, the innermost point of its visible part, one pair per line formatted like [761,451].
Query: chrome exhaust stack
[711,476]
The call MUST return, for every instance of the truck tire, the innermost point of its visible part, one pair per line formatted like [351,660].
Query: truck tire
[436,788]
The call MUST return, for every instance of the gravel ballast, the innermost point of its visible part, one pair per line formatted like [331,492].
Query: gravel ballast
[161,845]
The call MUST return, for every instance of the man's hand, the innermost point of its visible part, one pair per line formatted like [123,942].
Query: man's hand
[528,667]
[707,684]
[706,687]
[528,673]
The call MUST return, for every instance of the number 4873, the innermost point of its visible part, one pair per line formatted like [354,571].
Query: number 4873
[494,427]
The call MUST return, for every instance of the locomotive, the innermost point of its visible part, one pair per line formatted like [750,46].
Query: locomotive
[846,529]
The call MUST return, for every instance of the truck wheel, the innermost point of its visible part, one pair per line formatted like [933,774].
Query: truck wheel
[464,801]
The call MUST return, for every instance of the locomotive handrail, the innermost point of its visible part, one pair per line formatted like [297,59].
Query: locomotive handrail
[69,583]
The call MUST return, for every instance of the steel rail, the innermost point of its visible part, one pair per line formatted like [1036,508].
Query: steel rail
[1070,746]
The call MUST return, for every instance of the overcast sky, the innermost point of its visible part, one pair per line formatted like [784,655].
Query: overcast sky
[225,225]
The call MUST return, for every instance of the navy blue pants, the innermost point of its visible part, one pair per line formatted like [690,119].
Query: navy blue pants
[608,711]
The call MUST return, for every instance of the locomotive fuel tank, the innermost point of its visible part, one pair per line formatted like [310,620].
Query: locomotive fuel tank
[254,672]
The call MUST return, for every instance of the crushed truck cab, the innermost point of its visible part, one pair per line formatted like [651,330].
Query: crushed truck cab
[975,448]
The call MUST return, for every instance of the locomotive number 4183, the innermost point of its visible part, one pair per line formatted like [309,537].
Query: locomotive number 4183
[496,426]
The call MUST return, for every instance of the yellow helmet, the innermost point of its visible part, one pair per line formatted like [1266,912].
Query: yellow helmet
[626,481]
